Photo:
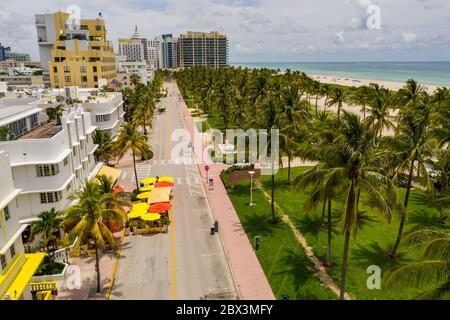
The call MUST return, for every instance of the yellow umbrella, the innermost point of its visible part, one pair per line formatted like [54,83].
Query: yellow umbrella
[136,214]
[151,217]
[166,179]
[147,188]
[149,181]
[140,206]
[143,196]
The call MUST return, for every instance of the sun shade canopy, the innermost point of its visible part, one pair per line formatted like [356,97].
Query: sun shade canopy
[164,184]
[160,207]
[151,217]
[149,181]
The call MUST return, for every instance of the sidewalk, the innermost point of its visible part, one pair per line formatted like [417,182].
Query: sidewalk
[249,276]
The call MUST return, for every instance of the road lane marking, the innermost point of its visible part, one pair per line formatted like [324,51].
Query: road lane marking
[211,255]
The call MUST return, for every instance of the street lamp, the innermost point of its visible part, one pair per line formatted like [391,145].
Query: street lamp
[251,187]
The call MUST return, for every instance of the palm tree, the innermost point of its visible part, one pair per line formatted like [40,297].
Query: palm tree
[337,98]
[135,79]
[46,226]
[434,271]
[361,96]
[105,145]
[130,139]
[379,106]
[355,170]
[55,113]
[415,142]
[268,120]
[85,219]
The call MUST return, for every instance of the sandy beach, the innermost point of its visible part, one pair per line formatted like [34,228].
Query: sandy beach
[392,85]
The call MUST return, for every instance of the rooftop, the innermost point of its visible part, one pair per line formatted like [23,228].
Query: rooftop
[45,131]
[11,113]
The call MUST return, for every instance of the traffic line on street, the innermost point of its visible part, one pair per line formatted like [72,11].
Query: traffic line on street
[211,255]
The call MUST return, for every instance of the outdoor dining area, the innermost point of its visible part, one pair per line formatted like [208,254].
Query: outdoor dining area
[150,214]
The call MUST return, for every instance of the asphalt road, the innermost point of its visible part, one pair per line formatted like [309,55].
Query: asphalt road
[188,262]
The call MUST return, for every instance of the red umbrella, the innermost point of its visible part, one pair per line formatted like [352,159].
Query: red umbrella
[164,184]
[160,207]
[117,190]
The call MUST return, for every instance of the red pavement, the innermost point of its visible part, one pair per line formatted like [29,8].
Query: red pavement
[247,271]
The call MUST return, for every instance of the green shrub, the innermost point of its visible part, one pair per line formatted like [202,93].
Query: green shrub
[225,174]
[46,268]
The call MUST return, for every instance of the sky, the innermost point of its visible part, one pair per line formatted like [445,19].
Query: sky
[263,30]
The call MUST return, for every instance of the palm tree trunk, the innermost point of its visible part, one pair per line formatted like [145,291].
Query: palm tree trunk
[317,98]
[322,223]
[403,216]
[329,233]
[273,198]
[289,170]
[97,265]
[344,265]
[135,170]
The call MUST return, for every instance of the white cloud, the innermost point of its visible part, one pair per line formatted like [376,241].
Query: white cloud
[260,30]
[340,36]
[409,37]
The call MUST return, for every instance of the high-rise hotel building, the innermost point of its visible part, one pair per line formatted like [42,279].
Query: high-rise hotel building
[200,49]
[74,53]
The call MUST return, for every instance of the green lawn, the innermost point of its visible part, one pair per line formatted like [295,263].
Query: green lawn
[375,237]
[284,261]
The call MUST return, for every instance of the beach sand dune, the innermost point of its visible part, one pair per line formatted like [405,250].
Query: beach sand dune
[391,85]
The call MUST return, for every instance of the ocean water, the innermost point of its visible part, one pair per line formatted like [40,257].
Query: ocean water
[431,73]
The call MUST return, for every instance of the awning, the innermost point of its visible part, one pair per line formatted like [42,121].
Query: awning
[160,207]
[112,173]
[164,184]
[160,195]
[16,277]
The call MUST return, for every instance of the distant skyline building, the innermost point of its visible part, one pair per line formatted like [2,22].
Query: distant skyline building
[7,54]
[200,49]
[169,51]
[74,55]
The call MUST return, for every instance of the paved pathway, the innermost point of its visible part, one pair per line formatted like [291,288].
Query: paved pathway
[248,274]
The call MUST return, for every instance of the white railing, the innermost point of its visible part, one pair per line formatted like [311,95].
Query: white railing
[62,255]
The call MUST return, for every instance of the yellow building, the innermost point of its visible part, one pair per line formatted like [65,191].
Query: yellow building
[74,54]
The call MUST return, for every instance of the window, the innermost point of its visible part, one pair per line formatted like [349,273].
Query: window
[74,150]
[3,260]
[66,161]
[83,79]
[94,69]
[68,187]
[47,170]
[12,251]
[6,211]
[66,69]
[98,28]
[68,79]
[50,197]
[102,118]
[55,69]
[83,69]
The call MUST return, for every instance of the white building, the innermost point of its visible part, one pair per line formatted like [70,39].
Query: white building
[125,69]
[105,108]
[16,267]
[133,49]
[50,162]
